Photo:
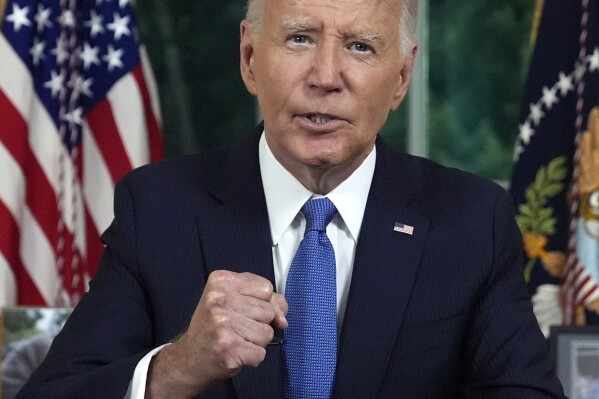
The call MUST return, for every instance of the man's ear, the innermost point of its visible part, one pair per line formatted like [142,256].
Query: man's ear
[405,75]
[246,56]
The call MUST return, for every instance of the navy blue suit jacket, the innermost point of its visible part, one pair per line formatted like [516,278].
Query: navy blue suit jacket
[442,313]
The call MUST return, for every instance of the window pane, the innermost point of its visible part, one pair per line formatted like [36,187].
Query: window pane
[479,51]
[194,50]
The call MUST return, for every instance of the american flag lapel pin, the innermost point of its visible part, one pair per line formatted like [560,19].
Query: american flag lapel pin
[403,228]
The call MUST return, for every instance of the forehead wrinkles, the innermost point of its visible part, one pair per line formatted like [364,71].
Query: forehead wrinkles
[361,19]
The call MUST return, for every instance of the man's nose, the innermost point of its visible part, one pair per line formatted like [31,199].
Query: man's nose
[326,70]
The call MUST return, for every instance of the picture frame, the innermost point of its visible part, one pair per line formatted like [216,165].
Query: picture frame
[576,354]
[26,334]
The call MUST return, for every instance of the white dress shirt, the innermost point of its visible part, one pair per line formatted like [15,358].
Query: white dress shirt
[285,196]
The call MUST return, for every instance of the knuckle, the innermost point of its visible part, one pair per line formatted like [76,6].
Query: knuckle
[223,343]
[219,276]
[232,363]
[216,299]
[221,322]
[266,288]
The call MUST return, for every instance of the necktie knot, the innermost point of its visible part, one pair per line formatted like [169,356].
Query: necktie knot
[318,212]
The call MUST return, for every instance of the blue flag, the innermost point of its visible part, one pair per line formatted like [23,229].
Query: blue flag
[555,183]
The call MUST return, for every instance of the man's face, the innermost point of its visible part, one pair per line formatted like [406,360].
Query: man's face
[326,74]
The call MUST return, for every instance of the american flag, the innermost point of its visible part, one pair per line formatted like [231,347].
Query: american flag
[77,110]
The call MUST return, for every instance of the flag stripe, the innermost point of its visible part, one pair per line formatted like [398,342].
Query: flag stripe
[586,278]
[584,296]
[12,177]
[105,131]
[27,291]
[8,295]
[97,183]
[38,257]
[127,109]
[14,77]
[39,195]
[154,135]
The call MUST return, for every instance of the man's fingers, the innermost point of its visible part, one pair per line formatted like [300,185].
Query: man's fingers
[253,308]
[255,286]
[244,283]
[251,355]
[280,308]
[254,332]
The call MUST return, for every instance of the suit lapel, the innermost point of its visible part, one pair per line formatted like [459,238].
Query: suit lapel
[236,236]
[385,268]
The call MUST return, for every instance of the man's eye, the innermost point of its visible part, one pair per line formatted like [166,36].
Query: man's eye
[360,47]
[299,39]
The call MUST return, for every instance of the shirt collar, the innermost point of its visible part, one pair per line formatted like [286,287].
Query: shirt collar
[285,195]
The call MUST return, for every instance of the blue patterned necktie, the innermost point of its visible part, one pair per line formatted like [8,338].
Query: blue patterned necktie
[310,347]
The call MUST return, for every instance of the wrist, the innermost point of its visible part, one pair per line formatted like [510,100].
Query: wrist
[170,377]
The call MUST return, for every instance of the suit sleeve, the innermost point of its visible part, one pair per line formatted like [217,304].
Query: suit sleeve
[110,330]
[507,350]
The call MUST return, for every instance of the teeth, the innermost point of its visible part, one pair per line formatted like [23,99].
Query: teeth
[320,118]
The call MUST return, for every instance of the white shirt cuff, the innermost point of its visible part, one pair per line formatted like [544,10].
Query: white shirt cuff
[137,386]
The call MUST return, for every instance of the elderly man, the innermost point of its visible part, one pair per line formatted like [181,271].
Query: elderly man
[310,261]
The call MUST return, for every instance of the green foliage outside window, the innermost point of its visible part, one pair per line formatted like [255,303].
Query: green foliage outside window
[479,52]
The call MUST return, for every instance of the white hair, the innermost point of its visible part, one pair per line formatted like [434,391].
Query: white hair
[407,21]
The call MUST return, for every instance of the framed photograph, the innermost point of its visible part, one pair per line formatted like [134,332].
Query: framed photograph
[576,352]
[27,333]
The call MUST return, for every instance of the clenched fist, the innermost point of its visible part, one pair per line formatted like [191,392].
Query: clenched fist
[230,329]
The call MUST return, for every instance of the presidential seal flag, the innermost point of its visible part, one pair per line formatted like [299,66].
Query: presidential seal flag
[555,183]
[77,110]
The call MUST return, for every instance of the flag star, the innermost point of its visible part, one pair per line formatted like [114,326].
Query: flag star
[119,26]
[42,18]
[95,23]
[18,17]
[89,55]
[536,113]
[55,84]
[60,51]
[565,84]
[550,97]
[526,132]
[68,19]
[594,60]
[81,85]
[113,58]
[37,51]
[123,3]
[74,116]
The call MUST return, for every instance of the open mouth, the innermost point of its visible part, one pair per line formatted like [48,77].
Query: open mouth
[320,118]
